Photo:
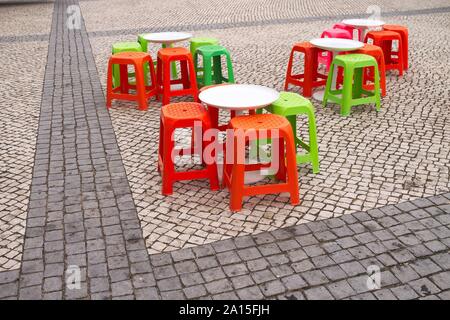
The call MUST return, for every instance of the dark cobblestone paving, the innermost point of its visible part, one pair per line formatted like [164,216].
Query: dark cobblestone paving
[328,259]
[81,211]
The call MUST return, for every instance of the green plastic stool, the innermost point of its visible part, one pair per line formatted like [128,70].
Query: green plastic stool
[352,92]
[144,45]
[290,105]
[124,47]
[198,42]
[212,60]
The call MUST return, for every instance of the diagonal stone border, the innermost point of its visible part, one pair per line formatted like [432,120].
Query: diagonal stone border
[82,213]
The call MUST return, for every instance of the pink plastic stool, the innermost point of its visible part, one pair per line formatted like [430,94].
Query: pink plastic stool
[325,57]
[350,29]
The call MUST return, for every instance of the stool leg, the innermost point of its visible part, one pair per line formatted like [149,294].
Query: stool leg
[140,87]
[281,173]
[328,85]
[168,163]
[124,87]
[308,74]
[230,69]
[289,70]
[377,89]
[207,70]
[346,91]
[161,144]
[217,69]
[237,178]
[292,174]
[193,79]
[313,145]
[109,85]
[212,167]
[166,82]
[184,74]
[357,83]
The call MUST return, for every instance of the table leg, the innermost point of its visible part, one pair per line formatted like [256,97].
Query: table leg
[318,95]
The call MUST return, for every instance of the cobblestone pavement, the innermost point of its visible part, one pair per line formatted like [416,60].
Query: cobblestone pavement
[95,201]
[20,98]
[367,160]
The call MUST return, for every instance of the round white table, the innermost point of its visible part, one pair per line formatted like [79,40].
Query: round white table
[334,45]
[167,39]
[240,97]
[363,25]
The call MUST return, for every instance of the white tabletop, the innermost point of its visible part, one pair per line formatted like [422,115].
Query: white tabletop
[363,23]
[239,96]
[336,44]
[167,37]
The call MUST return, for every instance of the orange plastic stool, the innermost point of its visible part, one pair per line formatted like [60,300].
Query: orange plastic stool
[143,92]
[254,127]
[403,31]
[182,115]
[188,75]
[368,75]
[310,78]
[384,40]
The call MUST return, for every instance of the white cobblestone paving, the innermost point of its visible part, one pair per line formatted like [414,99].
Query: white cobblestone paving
[367,160]
[23,67]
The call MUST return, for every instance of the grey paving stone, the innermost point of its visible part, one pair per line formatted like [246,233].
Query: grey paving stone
[424,287]
[318,293]
[340,289]
[294,282]
[219,286]
[404,292]
[242,281]
[272,288]
[425,267]
[442,280]
[314,277]
[250,293]
[195,291]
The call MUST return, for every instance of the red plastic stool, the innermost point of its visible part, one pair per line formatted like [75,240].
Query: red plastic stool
[368,74]
[143,92]
[188,76]
[325,56]
[353,31]
[310,78]
[253,127]
[182,115]
[383,39]
[403,31]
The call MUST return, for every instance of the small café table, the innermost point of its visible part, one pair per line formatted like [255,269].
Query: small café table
[239,98]
[363,25]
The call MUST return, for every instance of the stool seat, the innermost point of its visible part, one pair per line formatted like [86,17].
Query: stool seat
[173,52]
[126,46]
[183,110]
[289,104]
[130,56]
[198,42]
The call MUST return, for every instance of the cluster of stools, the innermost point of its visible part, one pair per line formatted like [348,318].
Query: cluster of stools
[149,83]
[361,73]
[358,76]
